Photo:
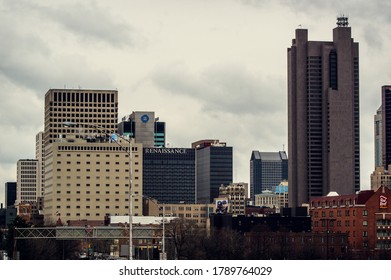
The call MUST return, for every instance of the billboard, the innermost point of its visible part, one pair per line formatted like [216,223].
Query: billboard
[221,206]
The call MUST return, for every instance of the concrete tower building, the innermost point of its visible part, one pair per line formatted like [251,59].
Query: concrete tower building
[323,115]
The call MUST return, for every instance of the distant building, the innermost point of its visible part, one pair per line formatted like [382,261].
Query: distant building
[199,213]
[323,115]
[144,128]
[10,194]
[277,222]
[28,183]
[7,216]
[282,191]
[267,169]
[378,131]
[267,199]
[381,177]
[169,174]
[40,157]
[214,161]
[236,195]
[386,125]
[365,216]
[88,179]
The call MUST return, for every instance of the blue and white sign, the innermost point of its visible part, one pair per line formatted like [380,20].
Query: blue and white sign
[144,118]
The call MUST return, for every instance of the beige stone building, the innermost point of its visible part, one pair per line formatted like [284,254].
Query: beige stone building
[195,212]
[381,177]
[237,196]
[87,108]
[89,179]
[268,199]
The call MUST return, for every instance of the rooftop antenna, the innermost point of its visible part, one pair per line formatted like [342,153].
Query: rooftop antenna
[342,21]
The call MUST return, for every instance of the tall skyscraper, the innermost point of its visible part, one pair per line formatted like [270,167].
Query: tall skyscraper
[145,128]
[267,169]
[213,168]
[386,126]
[323,115]
[378,125]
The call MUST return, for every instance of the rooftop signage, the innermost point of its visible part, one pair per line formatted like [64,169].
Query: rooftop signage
[165,150]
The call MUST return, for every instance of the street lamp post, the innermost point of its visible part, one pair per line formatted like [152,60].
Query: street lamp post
[163,255]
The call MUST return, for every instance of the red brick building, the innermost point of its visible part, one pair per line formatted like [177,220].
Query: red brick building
[365,217]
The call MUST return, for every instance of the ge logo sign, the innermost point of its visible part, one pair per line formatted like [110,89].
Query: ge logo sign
[144,118]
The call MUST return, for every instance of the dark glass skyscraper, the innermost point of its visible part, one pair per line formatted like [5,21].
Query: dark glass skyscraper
[267,170]
[386,126]
[10,194]
[169,174]
[213,168]
[323,115]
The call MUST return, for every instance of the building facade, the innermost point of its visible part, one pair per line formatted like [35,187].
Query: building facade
[381,177]
[365,217]
[378,131]
[323,115]
[87,180]
[267,169]
[267,199]
[28,181]
[237,196]
[213,168]
[169,174]
[282,191]
[94,112]
[199,213]
[10,194]
[145,128]
[40,157]
[386,126]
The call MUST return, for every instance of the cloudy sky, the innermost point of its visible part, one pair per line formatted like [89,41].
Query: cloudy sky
[209,69]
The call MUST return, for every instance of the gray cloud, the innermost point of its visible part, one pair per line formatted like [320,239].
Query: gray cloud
[88,20]
[27,58]
[230,89]
[359,10]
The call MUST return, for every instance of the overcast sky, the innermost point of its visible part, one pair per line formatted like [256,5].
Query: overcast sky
[209,69]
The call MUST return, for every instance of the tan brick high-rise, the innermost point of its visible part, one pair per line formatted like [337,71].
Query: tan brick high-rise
[87,174]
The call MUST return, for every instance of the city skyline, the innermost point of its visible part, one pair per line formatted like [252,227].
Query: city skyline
[224,62]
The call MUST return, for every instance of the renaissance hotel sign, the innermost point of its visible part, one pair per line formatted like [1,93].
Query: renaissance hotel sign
[165,150]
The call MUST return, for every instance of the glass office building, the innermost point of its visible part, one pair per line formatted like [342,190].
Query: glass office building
[169,174]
